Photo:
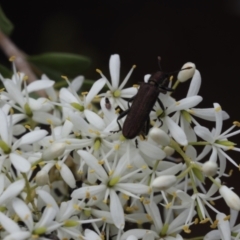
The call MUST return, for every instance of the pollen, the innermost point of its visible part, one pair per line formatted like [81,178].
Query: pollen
[12,58]
[178,103]
[126,197]
[65,78]
[217,109]
[230,172]
[186,229]
[227,218]
[101,162]
[94,198]
[88,195]
[168,205]
[98,71]
[236,123]
[149,217]
[58,167]
[27,127]
[49,121]
[214,225]
[204,221]
[25,78]
[84,93]
[196,221]
[116,147]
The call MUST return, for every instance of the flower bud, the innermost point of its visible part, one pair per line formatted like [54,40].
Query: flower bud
[231,198]
[42,178]
[169,151]
[54,151]
[209,168]
[164,182]
[184,75]
[159,136]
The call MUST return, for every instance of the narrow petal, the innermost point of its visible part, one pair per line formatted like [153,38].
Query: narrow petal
[86,192]
[94,119]
[22,235]
[23,212]
[207,113]
[4,130]
[67,175]
[12,190]
[129,92]
[195,84]
[114,67]
[204,133]
[116,210]
[39,85]
[137,188]
[32,137]
[95,89]
[151,151]
[94,164]
[184,104]
[19,162]
[14,93]
[46,118]
[89,235]
[177,133]
[66,96]
[77,83]
[48,199]
[223,226]
[219,120]
[8,224]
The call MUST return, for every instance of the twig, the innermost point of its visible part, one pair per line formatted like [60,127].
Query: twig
[10,49]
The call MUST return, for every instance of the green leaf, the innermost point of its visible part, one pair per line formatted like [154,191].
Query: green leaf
[57,64]
[5,24]
[6,73]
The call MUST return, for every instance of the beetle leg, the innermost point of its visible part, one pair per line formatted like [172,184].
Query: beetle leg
[130,100]
[121,115]
[162,107]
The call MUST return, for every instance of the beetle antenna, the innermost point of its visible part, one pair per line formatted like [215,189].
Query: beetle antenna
[159,63]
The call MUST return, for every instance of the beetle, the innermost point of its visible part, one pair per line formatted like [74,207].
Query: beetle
[143,103]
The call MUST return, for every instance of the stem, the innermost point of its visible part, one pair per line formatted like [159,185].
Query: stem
[202,143]
[187,160]
[10,49]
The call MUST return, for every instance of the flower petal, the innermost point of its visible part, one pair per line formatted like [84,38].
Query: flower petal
[177,133]
[19,162]
[114,67]
[116,210]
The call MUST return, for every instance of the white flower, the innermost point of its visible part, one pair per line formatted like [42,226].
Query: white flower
[117,93]
[218,141]
[109,186]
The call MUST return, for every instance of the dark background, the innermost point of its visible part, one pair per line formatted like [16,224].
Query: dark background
[204,32]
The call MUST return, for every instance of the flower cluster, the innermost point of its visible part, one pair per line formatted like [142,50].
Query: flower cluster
[68,171]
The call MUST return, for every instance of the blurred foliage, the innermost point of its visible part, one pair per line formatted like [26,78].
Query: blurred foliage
[54,65]
[5,24]
[5,72]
